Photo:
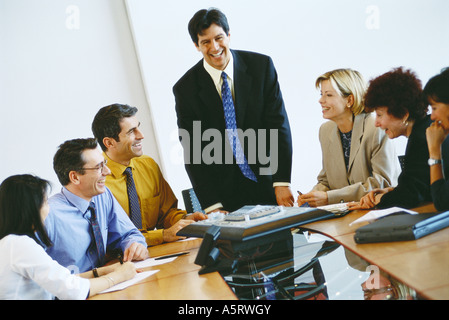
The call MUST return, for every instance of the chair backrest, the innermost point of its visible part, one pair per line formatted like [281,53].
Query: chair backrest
[191,201]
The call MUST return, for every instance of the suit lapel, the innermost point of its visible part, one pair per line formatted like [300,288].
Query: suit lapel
[242,86]
[210,106]
[335,155]
[356,139]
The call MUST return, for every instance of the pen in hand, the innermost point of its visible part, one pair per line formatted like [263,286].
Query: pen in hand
[306,204]
[120,257]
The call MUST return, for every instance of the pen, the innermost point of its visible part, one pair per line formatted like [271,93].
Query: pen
[120,257]
[306,204]
[171,255]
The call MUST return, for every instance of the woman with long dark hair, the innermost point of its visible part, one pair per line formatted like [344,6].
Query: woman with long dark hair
[26,270]
[436,92]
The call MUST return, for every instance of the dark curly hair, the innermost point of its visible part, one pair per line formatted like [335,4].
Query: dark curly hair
[400,91]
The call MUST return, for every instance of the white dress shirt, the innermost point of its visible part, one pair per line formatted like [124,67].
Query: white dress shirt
[27,272]
[215,74]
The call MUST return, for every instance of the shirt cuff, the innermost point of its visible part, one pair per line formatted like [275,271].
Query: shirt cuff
[281,184]
[213,207]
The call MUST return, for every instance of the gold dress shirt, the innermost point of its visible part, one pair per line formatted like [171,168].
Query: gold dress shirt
[158,203]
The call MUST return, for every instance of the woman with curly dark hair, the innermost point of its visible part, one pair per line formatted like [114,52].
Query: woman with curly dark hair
[397,99]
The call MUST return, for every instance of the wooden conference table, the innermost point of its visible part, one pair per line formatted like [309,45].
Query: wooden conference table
[421,264]
[176,280]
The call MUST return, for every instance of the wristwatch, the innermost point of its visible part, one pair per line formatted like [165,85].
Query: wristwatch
[432,162]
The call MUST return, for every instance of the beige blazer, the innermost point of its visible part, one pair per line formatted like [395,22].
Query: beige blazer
[373,162]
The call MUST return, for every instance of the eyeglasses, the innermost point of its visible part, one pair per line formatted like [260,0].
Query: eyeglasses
[100,167]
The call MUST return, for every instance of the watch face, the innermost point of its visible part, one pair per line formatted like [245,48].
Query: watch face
[431,162]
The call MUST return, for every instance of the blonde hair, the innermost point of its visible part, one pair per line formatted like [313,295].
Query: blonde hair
[347,82]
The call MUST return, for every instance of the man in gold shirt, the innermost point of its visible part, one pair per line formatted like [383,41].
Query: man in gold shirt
[154,208]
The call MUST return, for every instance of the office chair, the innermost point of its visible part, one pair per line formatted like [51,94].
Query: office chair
[191,201]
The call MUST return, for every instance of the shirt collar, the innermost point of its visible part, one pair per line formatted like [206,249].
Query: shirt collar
[117,169]
[78,202]
[216,74]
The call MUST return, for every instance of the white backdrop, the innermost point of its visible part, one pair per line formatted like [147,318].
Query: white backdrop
[305,39]
[60,61]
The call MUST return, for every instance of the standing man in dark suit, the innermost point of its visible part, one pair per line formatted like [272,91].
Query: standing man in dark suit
[237,151]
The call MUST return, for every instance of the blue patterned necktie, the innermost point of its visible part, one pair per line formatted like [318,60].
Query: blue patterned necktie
[134,206]
[97,233]
[231,128]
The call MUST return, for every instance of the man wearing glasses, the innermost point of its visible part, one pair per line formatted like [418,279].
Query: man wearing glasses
[85,220]
[136,179]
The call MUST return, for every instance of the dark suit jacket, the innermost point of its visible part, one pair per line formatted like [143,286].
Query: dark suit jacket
[259,105]
[414,181]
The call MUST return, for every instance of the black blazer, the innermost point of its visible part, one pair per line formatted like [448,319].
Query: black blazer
[258,105]
[414,181]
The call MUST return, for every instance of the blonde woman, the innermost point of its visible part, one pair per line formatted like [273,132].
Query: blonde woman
[356,156]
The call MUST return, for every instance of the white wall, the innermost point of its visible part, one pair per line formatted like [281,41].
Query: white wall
[60,61]
[305,39]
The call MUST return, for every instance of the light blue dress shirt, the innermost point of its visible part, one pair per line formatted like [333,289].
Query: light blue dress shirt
[68,228]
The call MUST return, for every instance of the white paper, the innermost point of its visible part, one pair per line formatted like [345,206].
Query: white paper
[150,262]
[376,214]
[130,282]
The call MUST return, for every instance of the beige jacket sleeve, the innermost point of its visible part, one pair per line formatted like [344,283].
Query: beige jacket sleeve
[373,162]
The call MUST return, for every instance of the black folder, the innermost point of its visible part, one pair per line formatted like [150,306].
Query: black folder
[402,227]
